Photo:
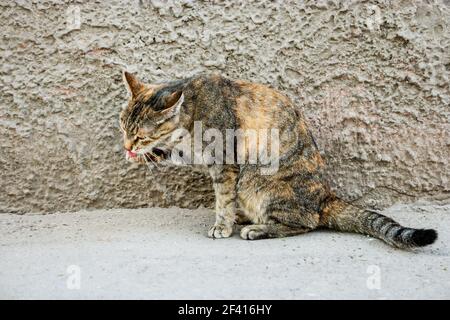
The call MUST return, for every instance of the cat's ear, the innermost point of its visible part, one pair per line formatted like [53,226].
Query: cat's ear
[173,104]
[134,86]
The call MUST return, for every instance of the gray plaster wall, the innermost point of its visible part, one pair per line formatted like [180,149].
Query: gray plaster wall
[372,78]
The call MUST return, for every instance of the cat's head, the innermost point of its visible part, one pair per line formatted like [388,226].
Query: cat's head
[149,119]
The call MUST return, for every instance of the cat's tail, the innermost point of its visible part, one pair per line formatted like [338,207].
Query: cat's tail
[342,216]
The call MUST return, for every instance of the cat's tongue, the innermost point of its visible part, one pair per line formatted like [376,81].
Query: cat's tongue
[131,154]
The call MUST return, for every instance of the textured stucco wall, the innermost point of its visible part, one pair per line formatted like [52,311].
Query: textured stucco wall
[372,78]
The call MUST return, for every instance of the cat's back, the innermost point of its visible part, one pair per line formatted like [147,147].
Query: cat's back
[262,107]
[255,105]
[215,84]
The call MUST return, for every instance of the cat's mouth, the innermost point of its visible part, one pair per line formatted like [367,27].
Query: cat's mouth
[154,156]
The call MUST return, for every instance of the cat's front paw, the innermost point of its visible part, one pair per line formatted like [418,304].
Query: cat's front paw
[218,231]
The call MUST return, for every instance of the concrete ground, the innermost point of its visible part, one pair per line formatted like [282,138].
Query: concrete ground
[164,254]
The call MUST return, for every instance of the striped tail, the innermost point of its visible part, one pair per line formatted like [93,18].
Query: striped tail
[343,216]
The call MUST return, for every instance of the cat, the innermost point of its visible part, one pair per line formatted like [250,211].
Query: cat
[293,200]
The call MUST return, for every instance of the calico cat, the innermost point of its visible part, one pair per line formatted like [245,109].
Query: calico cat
[293,200]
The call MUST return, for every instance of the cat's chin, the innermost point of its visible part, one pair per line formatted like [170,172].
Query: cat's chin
[138,159]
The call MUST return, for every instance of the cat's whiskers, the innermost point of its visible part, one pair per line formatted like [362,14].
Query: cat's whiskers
[146,162]
[155,164]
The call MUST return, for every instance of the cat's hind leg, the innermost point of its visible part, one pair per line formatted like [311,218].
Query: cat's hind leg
[241,218]
[281,224]
[273,230]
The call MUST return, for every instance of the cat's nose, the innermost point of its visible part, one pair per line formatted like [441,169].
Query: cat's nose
[127,145]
